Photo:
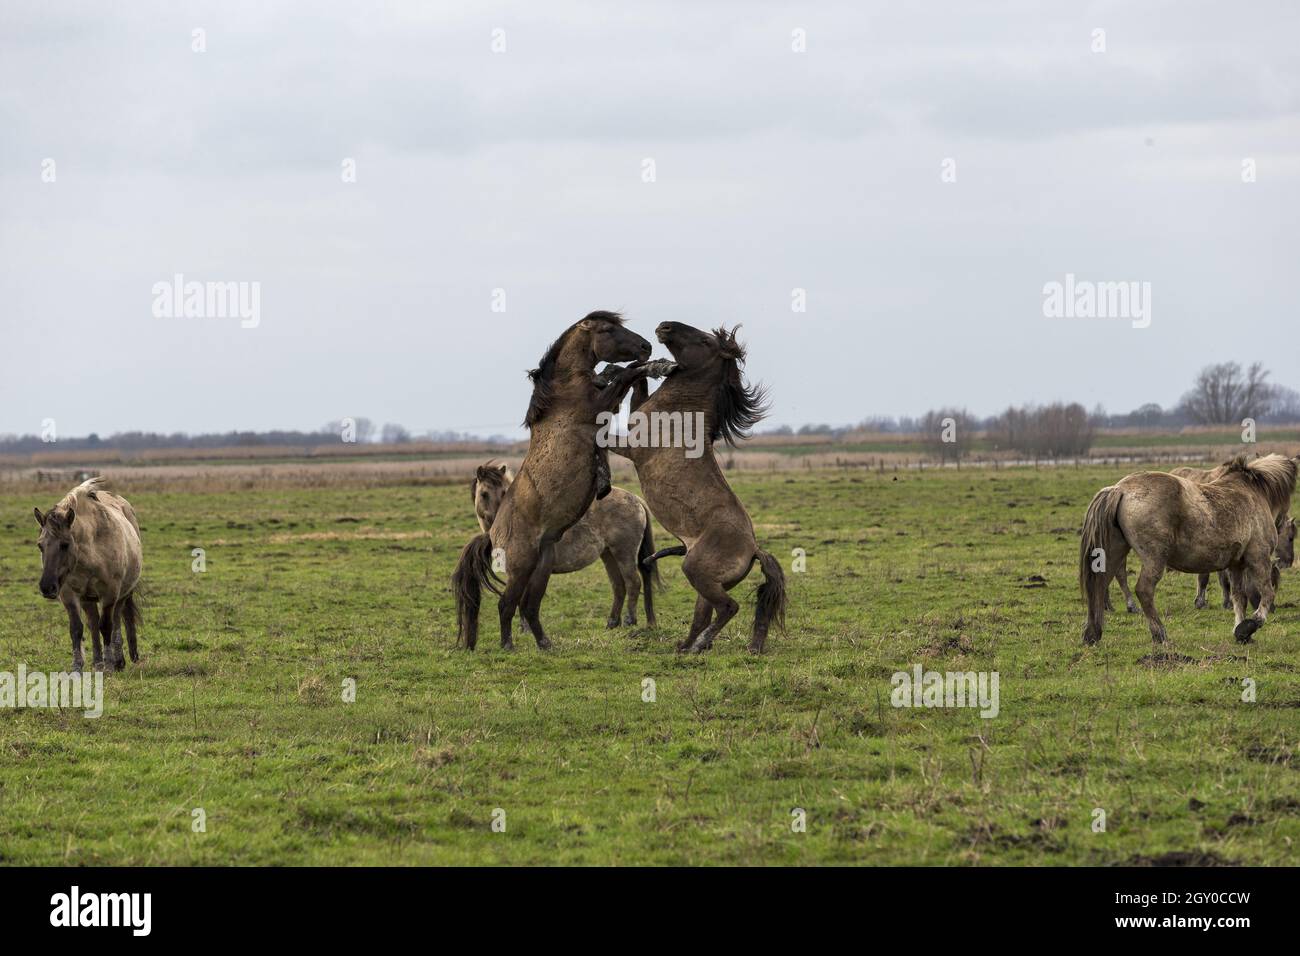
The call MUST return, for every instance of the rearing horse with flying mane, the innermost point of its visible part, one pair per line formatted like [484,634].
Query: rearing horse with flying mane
[557,480]
[691,497]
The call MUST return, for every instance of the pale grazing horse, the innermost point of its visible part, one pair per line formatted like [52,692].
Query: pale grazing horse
[91,559]
[1198,527]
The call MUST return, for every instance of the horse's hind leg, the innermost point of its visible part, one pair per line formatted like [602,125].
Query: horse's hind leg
[76,630]
[1122,576]
[115,654]
[616,585]
[1259,577]
[1226,587]
[724,608]
[703,614]
[131,615]
[1202,582]
[533,595]
[632,582]
[1148,578]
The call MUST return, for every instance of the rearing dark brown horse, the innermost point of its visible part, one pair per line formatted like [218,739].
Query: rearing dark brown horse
[557,480]
[686,489]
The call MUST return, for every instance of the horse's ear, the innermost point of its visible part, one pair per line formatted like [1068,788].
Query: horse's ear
[71,515]
[481,472]
[40,518]
[502,469]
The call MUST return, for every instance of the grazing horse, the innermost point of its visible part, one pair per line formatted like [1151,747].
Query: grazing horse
[689,494]
[1172,522]
[616,529]
[559,477]
[1203,580]
[90,552]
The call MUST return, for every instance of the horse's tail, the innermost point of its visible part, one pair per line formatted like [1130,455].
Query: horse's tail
[650,577]
[769,602]
[131,609]
[473,573]
[1101,532]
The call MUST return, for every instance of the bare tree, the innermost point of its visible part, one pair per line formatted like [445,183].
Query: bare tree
[394,434]
[1224,394]
[948,433]
[1052,431]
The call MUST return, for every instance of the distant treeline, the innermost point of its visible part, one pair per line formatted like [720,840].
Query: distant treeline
[1222,395]
[360,430]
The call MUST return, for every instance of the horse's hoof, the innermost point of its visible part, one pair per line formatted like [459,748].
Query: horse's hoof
[1243,630]
[630,621]
[611,624]
[507,645]
[544,644]
[1090,636]
[684,646]
[99,667]
[1132,608]
[1200,604]
[1227,605]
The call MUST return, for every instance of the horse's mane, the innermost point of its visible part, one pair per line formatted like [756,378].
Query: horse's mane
[87,488]
[1274,476]
[543,377]
[737,408]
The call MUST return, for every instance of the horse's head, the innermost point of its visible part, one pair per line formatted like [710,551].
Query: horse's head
[717,357]
[57,549]
[611,341]
[694,349]
[488,489]
[1284,554]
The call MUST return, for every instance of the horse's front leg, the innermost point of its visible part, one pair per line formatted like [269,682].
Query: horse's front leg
[73,608]
[1237,587]
[609,397]
[95,619]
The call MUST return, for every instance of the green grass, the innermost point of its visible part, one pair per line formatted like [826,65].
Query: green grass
[237,708]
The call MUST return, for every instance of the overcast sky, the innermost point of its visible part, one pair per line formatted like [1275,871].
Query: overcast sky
[524,170]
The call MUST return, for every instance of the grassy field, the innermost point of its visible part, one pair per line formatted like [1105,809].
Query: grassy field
[237,705]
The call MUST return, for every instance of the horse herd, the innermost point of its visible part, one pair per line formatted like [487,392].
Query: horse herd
[559,513]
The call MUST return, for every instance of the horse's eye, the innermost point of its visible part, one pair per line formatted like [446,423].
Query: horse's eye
[63,546]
